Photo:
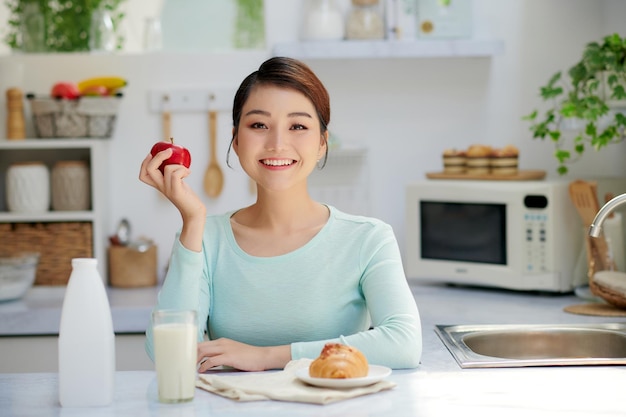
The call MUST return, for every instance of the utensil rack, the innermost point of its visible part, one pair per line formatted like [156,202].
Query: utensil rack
[196,100]
[344,181]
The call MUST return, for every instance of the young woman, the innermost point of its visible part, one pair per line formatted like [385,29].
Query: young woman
[276,280]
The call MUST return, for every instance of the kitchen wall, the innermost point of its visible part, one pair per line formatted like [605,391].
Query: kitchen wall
[404,111]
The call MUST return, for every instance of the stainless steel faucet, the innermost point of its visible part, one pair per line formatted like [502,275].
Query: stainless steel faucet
[596,225]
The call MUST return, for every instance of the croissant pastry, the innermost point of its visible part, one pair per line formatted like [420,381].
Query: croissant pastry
[339,361]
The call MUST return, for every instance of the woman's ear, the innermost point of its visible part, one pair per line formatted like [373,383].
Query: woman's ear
[324,142]
[235,142]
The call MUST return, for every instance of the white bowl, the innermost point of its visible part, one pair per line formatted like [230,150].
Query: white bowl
[17,275]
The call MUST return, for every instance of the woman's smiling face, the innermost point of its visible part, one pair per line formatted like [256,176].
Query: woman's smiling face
[279,140]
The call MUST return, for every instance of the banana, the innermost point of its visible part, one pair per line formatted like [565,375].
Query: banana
[112,83]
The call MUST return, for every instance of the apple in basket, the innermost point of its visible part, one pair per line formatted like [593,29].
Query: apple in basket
[180,154]
[65,89]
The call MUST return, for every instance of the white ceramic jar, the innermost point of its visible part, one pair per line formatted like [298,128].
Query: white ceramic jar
[28,187]
[323,21]
[70,186]
[365,20]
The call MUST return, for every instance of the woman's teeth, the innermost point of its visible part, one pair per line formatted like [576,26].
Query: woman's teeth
[277,162]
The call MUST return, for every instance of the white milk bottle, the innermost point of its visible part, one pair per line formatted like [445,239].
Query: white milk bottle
[86,339]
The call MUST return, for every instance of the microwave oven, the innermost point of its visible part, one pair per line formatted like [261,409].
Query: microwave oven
[518,235]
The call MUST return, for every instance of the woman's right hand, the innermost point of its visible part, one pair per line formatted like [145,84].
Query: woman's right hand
[172,185]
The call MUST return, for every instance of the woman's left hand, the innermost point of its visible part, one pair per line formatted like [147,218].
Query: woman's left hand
[227,352]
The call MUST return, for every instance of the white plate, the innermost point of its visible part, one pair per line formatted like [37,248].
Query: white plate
[376,373]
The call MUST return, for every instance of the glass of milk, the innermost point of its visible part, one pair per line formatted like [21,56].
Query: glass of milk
[175,334]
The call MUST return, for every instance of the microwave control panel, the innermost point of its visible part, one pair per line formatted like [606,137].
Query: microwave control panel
[537,236]
[535,253]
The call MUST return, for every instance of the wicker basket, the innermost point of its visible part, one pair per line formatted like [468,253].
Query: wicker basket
[86,117]
[57,244]
[130,268]
[610,296]
[595,265]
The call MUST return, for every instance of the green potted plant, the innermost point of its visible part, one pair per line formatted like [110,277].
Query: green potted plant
[588,100]
[56,26]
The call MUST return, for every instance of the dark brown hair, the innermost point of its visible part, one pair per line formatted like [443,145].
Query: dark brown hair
[285,73]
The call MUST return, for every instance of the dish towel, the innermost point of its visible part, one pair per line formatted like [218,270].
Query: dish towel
[281,386]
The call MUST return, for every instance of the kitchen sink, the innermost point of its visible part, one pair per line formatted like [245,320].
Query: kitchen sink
[503,346]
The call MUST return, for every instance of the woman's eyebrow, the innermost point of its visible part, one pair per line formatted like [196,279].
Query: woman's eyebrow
[300,113]
[255,111]
[266,113]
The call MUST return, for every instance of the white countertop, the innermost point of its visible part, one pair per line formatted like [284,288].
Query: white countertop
[534,392]
[439,386]
[38,313]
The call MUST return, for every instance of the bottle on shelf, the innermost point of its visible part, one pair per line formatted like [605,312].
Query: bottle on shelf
[152,35]
[86,339]
[323,21]
[102,37]
[365,20]
[32,28]
[15,114]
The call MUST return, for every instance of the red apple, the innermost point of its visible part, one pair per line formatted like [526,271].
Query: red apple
[180,154]
[65,89]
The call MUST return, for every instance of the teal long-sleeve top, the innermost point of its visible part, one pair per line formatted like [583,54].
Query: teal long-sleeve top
[347,285]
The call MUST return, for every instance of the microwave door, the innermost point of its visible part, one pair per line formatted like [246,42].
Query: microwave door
[463,232]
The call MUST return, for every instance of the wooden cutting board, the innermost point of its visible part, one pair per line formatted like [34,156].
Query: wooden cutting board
[522,175]
[595,309]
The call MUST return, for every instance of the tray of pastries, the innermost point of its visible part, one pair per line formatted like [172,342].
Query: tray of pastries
[483,162]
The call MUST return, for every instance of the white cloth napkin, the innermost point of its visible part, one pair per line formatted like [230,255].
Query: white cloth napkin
[281,386]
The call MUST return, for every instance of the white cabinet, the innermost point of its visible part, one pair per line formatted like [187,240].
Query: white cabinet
[41,354]
[93,151]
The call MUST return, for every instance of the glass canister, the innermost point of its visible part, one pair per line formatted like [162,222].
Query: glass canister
[102,37]
[323,20]
[33,28]
[365,20]
[28,187]
[70,186]
[152,35]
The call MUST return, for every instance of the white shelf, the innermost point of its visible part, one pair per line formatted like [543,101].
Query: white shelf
[352,49]
[50,150]
[48,216]
[35,143]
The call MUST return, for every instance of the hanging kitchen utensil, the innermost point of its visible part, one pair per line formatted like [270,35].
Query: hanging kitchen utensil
[584,197]
[123,232]
[213,176]
[166,118]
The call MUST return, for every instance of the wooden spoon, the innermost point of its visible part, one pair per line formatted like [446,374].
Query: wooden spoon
[213,176]
[582,193]
[166,118]
[584,196]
